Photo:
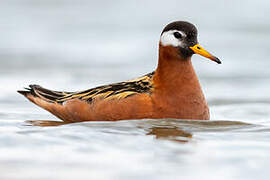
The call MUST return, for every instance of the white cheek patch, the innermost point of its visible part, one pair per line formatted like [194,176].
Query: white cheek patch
[167,38]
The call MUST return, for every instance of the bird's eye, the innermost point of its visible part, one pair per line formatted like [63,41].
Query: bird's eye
[177,35]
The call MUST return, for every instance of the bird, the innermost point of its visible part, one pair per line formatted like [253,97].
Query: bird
[171,91]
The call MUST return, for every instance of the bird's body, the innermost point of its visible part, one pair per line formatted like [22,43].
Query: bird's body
[172,91]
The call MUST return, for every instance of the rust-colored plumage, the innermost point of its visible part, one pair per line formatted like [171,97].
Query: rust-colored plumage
[172,91]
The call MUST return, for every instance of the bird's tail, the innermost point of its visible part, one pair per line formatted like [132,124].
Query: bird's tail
[42,93]
[47,99]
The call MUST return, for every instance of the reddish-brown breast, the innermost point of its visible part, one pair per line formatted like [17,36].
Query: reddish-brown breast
[177,91]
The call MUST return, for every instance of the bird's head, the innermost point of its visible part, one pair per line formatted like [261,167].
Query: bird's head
[181,36]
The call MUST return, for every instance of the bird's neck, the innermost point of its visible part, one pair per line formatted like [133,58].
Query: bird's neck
[177,92]
[175,74]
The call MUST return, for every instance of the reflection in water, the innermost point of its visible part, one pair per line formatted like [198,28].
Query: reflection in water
[170,129]
[171,133]
[45,123]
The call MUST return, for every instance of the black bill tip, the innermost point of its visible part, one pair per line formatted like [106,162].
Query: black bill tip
[216,60]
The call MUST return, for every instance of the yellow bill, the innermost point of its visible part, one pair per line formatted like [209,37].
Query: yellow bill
[199,50]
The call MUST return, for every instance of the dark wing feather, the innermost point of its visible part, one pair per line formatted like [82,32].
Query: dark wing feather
[120,90]
[43,93]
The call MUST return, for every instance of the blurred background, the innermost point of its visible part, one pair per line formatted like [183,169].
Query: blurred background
[74,45]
